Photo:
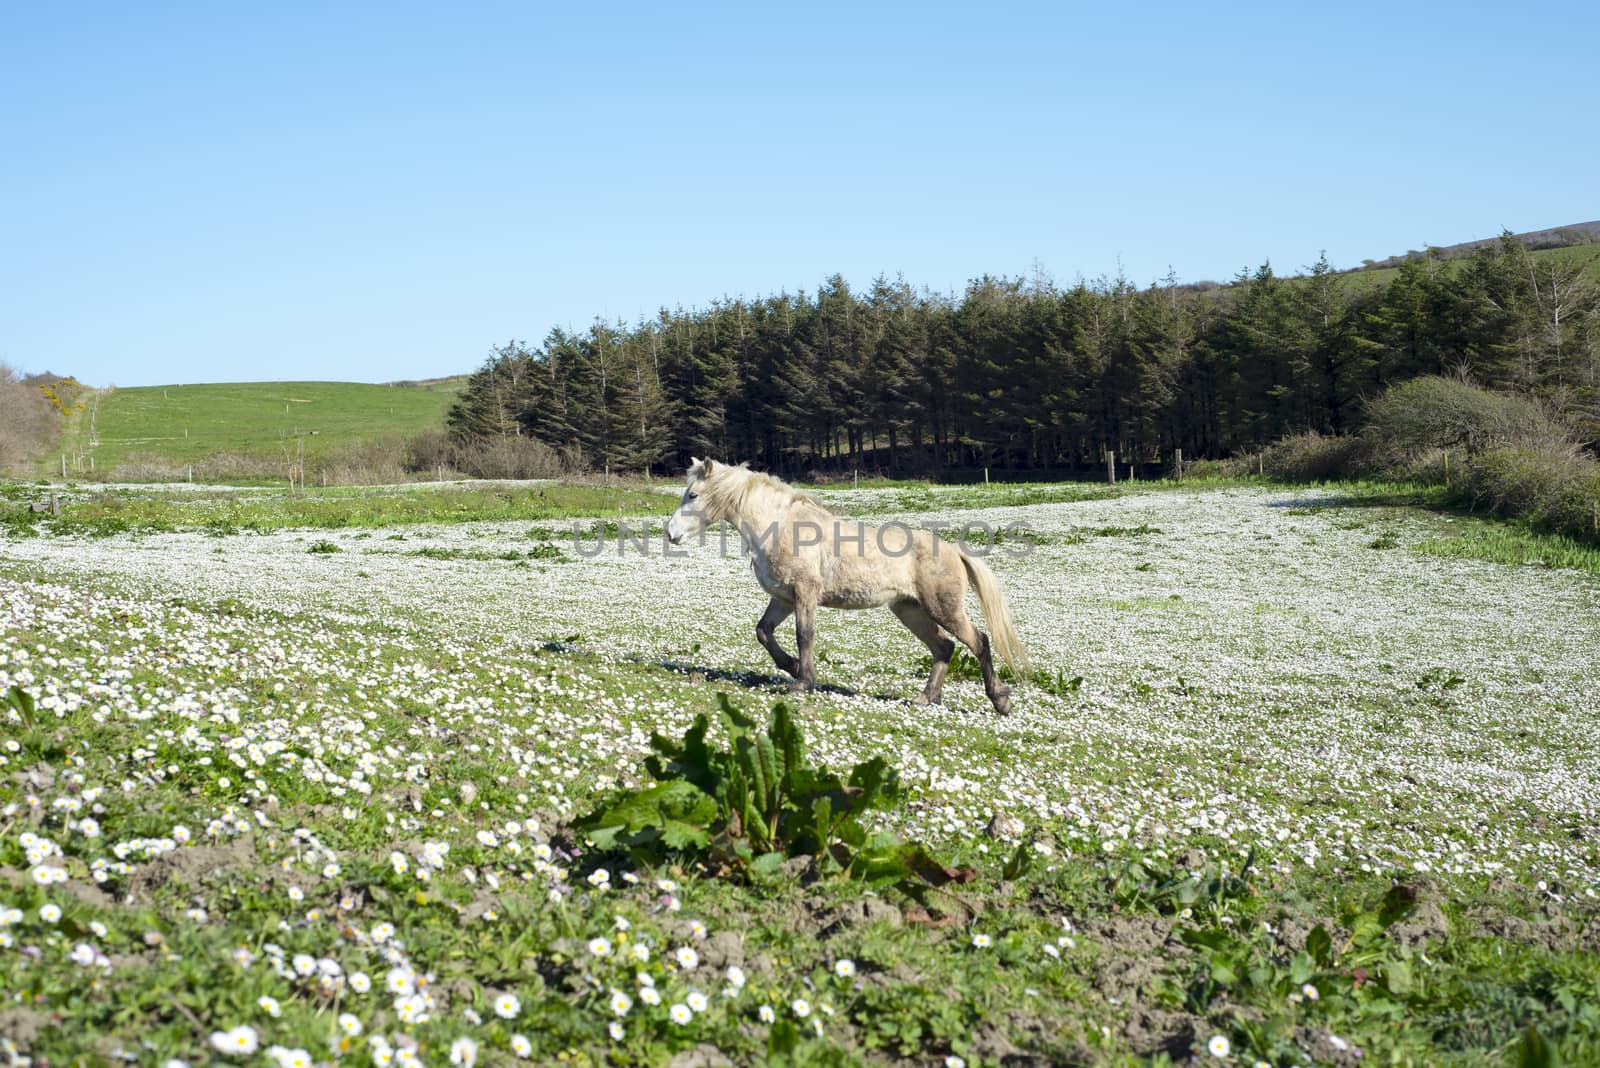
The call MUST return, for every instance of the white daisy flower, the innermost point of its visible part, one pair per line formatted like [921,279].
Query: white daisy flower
[241,1041]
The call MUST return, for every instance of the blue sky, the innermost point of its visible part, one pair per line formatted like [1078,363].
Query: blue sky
[226,192]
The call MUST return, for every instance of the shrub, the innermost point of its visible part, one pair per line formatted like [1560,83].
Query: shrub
[1513,455]
[1433,413]
[377,461]
[505,457]
[383,460]
[1555,489]
[429,451]
[498,457]
[29,425]
[1311,457]
[1227,467]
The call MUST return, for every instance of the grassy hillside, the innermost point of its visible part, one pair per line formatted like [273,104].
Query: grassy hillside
[184,424]
[1552,237]
[1373,277]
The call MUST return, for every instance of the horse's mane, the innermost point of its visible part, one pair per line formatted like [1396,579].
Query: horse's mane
[727,490]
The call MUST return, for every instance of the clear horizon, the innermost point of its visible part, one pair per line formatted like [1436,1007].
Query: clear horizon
[383,193]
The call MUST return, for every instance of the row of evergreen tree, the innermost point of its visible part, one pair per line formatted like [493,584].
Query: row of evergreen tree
[1019,373]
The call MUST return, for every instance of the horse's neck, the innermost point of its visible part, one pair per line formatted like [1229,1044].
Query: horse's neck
[758,512]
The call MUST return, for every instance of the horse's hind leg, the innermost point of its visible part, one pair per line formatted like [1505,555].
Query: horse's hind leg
[777,611]
[805,634]
[959,625]
[920,623]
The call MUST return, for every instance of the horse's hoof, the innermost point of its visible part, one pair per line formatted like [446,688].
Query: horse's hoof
[1002,704]
[921,699]
[800,687]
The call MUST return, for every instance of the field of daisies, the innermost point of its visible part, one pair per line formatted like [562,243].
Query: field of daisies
[1285,790]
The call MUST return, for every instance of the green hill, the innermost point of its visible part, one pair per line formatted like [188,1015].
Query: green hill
[1586,233]
[254,421]
[1372,277]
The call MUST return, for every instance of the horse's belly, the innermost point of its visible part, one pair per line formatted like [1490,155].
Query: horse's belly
[870,580]
[863,598]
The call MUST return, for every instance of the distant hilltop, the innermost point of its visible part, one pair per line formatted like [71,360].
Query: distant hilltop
[428,383]
[1555,237]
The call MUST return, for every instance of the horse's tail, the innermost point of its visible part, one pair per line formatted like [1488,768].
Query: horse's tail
[993,603]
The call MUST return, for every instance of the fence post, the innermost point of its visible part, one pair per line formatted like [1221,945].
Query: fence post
[1111,466]
[63,467]
[1177,463]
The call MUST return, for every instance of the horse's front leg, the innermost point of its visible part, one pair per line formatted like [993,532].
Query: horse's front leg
[777,611]
[805,632]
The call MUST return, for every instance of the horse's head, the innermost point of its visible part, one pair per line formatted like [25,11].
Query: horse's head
[694,514]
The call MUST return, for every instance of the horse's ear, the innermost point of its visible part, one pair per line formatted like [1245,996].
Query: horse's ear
[694,464]
[709,465]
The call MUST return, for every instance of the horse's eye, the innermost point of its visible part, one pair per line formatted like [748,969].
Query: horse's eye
[693,495]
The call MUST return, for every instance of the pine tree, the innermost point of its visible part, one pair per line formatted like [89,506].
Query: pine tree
[1340,367]
[495,395]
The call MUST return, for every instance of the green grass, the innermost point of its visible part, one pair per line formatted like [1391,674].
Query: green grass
[186,423]
[1505,544]
[110,513]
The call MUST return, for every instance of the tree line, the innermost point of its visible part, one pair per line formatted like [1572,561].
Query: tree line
[1026,374]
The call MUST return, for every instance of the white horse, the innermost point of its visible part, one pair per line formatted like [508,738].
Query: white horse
[804,556]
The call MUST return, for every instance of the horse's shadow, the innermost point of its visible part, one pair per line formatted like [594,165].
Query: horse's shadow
[754,681]
[1396,499]
[750,680]
[758,680]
